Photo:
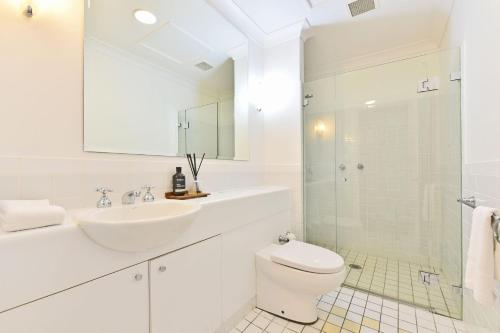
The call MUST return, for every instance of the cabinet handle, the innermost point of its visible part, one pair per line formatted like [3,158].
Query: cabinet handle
[162,269]
[138,277]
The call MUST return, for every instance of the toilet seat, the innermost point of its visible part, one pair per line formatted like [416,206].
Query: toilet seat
[308,258]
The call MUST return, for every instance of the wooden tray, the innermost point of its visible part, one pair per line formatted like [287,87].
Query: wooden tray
[187,196]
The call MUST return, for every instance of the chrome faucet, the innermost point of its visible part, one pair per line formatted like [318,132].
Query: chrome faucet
[104,201]
[148,196]
[285,238]
[128,198]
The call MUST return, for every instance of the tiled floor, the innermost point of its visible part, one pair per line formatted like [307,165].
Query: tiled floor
[401,281]
[348,311]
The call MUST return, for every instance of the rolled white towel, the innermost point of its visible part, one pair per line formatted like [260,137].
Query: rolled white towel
[18,215]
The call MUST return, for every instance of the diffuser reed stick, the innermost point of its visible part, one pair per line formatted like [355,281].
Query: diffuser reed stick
[195,169]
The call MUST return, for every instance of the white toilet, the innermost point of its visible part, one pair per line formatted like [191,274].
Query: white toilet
[290,277]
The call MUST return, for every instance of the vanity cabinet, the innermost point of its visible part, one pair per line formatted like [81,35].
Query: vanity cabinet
[186,289]
[183,295]
[116,303]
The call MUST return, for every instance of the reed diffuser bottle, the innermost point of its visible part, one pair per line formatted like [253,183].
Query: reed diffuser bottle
[195,170]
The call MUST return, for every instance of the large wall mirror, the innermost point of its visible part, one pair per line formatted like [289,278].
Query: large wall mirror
[164,77]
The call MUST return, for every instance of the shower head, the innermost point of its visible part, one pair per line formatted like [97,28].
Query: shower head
[359,7]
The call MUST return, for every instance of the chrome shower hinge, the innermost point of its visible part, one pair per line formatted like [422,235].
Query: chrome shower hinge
[428,84]
[429,279]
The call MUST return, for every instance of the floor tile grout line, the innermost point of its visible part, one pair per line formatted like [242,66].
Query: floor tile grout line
[353,295]
[413,270]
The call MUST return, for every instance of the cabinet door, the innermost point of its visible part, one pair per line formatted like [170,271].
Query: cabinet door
[116,303]
[186,289]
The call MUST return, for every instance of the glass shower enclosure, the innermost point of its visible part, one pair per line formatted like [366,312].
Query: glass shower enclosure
[382,174]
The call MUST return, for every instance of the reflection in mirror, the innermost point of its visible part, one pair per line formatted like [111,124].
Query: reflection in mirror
[162,78]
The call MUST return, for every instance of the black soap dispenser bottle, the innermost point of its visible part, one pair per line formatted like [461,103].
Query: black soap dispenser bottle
[179,182]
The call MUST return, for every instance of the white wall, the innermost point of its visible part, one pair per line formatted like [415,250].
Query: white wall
[41,146]
[282,109]
[474,26]
[241,99]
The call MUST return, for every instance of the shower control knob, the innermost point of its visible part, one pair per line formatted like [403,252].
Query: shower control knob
[138,277]
[342,166]
[361,166]
[162,269]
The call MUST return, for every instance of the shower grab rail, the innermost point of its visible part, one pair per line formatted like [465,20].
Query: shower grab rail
[495,219]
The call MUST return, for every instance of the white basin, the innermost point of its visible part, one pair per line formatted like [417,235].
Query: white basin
[138,227]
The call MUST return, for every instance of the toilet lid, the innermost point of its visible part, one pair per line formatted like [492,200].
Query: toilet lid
[308,257]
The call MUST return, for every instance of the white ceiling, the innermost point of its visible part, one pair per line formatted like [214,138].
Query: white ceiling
[191,31]
[187,32]
[394,22]
[396,29]
[427,17]
[273,15]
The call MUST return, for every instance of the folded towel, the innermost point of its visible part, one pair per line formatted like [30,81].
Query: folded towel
[480,270]
[28,214]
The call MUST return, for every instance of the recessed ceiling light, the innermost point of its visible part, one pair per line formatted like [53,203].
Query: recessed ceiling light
[145,16]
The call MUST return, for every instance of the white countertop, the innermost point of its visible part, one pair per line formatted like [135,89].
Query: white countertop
[72,217]
[38,262]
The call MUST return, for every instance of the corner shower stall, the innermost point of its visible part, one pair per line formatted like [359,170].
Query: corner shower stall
[382,174]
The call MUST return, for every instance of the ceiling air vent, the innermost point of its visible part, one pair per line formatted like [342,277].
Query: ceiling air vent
[204,66]
[361,6]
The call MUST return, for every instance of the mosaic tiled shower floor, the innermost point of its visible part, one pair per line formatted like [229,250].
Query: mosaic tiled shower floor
[345,310]
[401,281]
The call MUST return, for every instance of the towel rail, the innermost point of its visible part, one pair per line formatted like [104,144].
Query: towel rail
[495,219]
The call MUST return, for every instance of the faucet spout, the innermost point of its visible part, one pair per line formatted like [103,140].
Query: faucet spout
[128,198]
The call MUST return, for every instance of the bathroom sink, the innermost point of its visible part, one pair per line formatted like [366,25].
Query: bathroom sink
[138,227]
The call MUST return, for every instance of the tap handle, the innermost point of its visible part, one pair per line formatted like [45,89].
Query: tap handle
[104,190]
[104,201]
[148,196]
[148,188]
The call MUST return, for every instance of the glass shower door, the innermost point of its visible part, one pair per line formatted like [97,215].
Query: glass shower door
[319,163]
[398,160]
[382,172]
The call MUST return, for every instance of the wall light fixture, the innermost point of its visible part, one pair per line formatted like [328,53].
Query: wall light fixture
[320,128]
[28,9]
